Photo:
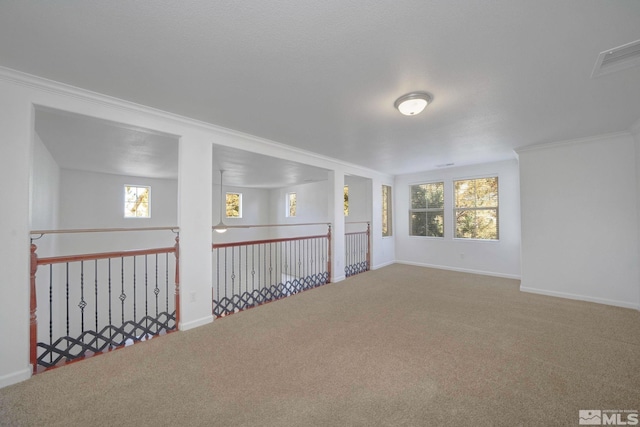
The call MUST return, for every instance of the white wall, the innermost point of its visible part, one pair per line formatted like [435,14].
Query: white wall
[498,258]
[16,122]
[256,207]
[359,203]
[45,193]
[96,200]
[580,220]
[311,207]
[636,134]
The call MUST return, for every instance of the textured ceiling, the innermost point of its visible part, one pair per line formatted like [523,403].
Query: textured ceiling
[323,76]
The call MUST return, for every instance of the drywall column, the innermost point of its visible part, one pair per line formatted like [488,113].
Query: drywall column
[16,142]
[636,135]
[194,218]
[335,193]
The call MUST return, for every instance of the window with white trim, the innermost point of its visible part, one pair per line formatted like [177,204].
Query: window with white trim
[386,211]
[346,200]
[234,205]
[476,208]
[426,213]
[137,201]
[291,205]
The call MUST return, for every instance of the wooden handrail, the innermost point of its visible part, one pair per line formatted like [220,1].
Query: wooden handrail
[102,230]
[355,232]
[261,242]
[275,225]
[104,255]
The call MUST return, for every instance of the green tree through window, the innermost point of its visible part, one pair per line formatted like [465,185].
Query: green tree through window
[426,215]
[476,208]
[234,205]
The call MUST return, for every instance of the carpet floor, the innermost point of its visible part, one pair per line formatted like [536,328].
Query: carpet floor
[398,346]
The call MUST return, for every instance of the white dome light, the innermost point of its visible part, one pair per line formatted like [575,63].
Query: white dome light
[413,103]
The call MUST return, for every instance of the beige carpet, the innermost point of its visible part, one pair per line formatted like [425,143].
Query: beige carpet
[397,346]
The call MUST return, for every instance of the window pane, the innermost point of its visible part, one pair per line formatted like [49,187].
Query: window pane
[137,201]
[429,224]
[418,224]
[465,193]
[435,224]
[233,205]
[291,204]
[487,192]
[465,224]
[346,200]
[472,193]
[477,224]
[487,224]
[435,195]
[386,211]
[418,197]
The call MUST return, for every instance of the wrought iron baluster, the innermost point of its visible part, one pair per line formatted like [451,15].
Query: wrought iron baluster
[135,298]
[82,303]
[123,296]
[146,295]
[225,277]
[95,272]
[50,311]
[110,321]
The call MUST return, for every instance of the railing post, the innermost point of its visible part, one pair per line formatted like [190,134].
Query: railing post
[33,326]
[368,246]
[329,254]
[177,253]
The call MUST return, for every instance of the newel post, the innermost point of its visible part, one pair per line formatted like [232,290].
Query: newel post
[177,253]
[33,324]
[329,254]
[368,246]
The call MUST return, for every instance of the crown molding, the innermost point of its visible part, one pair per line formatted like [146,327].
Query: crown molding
[569,142]
[65,90]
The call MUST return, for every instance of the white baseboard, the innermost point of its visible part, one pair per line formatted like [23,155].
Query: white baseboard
[587,298]
[384,264]
[337,279]
[15,377]
[462,270]
[185,326]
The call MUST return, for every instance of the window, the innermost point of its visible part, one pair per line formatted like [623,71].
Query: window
[346,200]
[386,211]
[426,214]
[476,208]
[234,205]
[137,201]
[291,205]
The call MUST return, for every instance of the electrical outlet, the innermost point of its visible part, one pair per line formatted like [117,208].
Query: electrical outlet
[193,296]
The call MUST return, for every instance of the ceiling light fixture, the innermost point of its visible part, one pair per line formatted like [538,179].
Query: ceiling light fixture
[221,228]
[413,103]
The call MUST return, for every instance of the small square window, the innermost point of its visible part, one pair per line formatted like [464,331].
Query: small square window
[234,205]
[137,201]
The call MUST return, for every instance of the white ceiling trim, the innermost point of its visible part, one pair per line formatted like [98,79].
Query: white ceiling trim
[586,140]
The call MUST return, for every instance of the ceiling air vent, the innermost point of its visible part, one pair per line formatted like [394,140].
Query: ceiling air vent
[617,59]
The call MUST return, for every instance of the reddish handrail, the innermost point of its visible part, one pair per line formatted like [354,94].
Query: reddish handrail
[261,242]
[104,255]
